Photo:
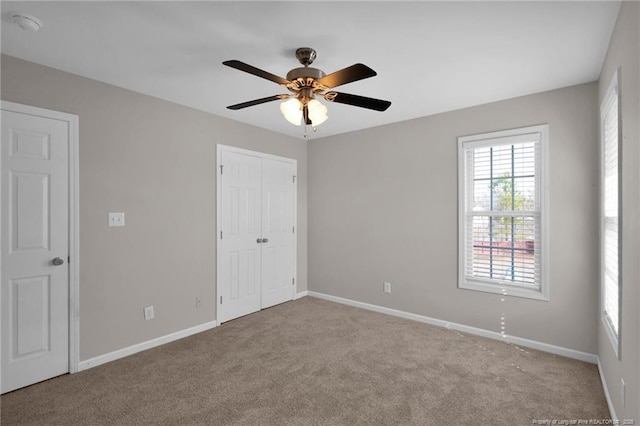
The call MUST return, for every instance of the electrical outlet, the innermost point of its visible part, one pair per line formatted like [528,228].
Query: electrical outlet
[148,313]
[622,392]
[198,302]
[386,287]
[116,219]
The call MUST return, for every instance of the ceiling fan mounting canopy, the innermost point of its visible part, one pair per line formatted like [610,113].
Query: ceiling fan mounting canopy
[306,82]
[306,55]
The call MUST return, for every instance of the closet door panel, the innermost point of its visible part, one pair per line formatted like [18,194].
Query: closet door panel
[277,227]
[239,268]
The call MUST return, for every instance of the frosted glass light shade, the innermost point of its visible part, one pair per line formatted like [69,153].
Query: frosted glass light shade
[292,111]
[317,112]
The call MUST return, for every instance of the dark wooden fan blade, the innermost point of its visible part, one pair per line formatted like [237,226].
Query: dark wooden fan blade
[256,71]
[347,75]
[258,101]
[359,101]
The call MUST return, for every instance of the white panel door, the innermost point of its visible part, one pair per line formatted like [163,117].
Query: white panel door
[239,266]
[256,238]
[34,227]
[277,232]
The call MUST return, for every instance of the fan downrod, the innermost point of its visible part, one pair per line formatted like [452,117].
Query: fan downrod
[304,76]
[306,55]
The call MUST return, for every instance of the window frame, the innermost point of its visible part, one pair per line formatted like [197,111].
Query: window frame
[500,138]
[614,337]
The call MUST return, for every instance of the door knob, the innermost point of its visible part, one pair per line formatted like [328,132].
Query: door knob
[57,261]
[265,240]
[258,240]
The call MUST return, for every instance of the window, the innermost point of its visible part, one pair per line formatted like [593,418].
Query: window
[502,196]
[610,212]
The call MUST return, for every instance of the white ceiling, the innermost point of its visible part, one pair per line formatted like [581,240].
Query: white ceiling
[430,57]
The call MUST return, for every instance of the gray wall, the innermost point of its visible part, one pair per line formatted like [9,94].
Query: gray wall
[155,161]
[383,207]
[624,53]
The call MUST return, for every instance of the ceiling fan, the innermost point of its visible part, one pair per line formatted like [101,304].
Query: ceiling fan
[305,83]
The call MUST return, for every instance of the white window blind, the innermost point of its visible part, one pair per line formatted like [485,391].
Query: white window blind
[610,132]
[501,207]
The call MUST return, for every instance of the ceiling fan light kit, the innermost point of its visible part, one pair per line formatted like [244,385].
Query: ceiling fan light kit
[305,83]
[292,111]
[317,112]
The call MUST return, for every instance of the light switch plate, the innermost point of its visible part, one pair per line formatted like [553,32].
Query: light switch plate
[116,219]
[148,313]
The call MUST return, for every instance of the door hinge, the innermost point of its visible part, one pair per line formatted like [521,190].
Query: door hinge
[220,234]
[221,300]
[293,230]
[294,179]
[68,259]
[221,166]
[293,281]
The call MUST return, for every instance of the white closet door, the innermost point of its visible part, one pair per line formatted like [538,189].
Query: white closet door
[277,229]
[256,238]
[239,263]
[35,246]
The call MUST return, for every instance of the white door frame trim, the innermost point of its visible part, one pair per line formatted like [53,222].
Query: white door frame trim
[74,220]
[219,149]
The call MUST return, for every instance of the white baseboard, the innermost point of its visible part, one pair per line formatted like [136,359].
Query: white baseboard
[612,409]
[545,347]
[300,294]
[121,353]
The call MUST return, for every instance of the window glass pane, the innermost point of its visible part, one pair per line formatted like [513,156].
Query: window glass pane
[525,193]
[509,193]
[611,301]
[502,160]
[482,195]
[504,177]
[524,159]
[611,272]
[482,163]
[504,248]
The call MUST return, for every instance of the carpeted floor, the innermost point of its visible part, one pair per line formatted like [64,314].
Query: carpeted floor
[313,362]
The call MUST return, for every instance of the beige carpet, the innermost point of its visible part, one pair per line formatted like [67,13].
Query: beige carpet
[313,362]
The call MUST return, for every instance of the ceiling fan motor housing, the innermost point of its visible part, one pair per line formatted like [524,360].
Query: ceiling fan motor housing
[305,78]
[305,72]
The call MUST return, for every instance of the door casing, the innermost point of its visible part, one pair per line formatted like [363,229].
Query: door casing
[74,214]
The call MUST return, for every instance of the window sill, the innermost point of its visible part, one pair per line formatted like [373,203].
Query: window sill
[503,289]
